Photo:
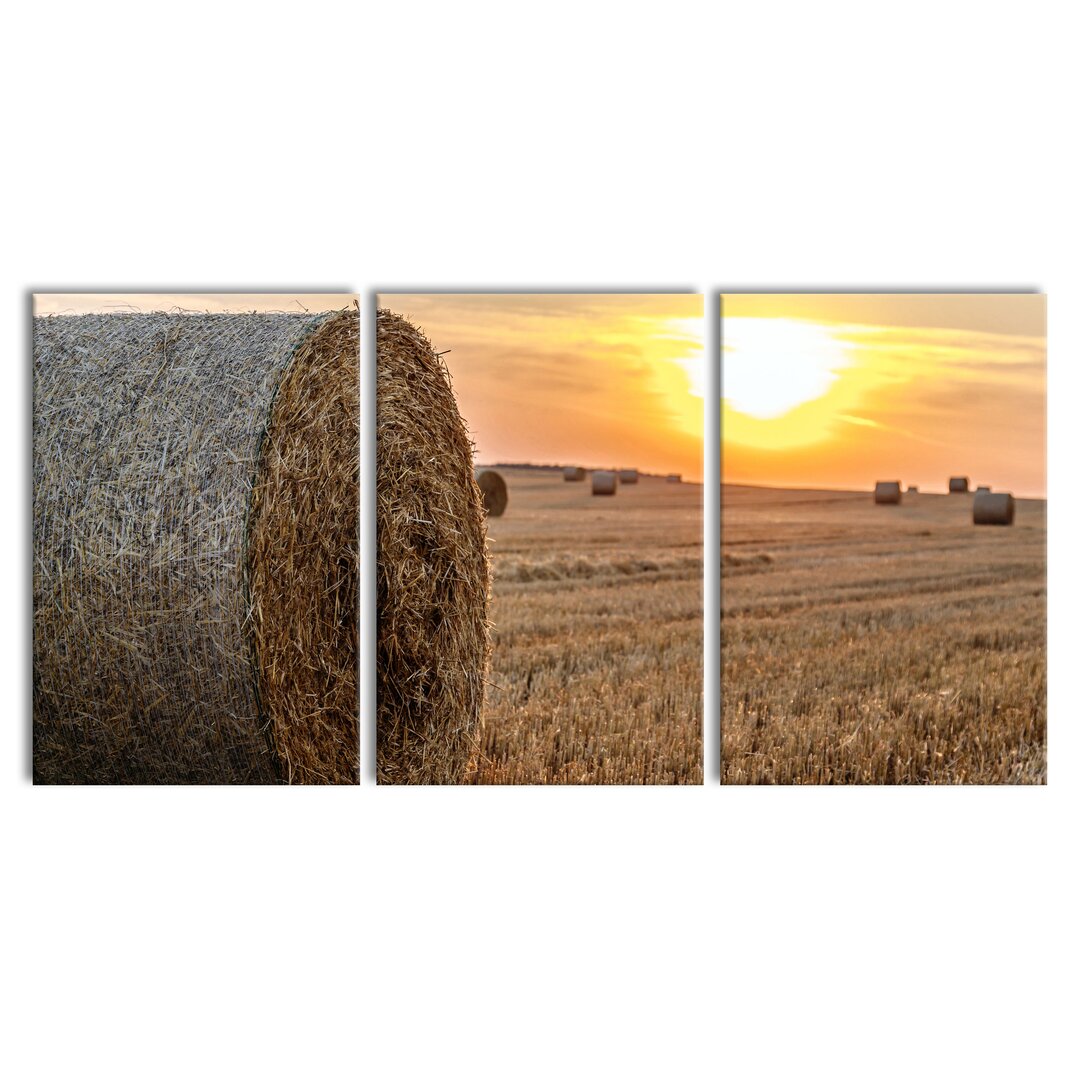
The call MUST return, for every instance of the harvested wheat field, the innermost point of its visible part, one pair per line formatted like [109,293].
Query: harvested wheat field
[596,670]
[865,644]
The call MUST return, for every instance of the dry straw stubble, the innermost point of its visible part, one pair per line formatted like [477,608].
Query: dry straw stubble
[171,642]
[433,571]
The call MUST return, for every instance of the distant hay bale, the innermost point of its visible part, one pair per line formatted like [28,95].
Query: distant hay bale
[887,492]
[912,489]
[195,548]
[628,476]
[604,482]
[573,473]
[993,508]
[674,478]
[432,568]
[493,491]
[982,488]
[958,485]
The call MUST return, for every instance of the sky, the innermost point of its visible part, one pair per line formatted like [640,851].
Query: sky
[839,391]
[93,303]
[574,379]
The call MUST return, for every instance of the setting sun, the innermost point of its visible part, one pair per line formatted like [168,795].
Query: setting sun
[836,391]
[772,365]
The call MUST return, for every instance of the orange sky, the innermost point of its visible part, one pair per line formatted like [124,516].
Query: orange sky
[595,380]
[839,391]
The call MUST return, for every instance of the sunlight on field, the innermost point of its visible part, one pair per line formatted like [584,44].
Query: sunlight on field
[880,644]
[596,673]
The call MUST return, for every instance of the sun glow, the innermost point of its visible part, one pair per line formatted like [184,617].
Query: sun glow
[773,365]
[907,386]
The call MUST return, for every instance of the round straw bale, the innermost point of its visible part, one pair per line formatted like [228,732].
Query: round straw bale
[674,478]
[604,482]
[993,508]
[628,476]
[958,485]
[195,542]
[493,491]
[912,489]
[573,473]
[981,488]
[887,492]
[433,573]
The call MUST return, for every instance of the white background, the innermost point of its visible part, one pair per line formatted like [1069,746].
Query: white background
[537,932]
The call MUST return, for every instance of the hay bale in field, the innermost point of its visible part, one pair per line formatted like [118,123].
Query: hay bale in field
[573,473]
[982,488]
[993,508]
[887,492]
[912,489]
[674,478]
[958,485]
[433,573]
[604,482]
[195,548]
[493,491]
[628,476]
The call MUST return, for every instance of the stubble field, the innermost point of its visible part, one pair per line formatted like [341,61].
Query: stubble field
[880,644]
[596,673]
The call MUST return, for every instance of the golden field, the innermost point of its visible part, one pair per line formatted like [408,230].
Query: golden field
[880,644]
[596,674]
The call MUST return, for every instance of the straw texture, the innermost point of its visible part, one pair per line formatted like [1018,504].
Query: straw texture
[492,491]
[155,483]
[433,572]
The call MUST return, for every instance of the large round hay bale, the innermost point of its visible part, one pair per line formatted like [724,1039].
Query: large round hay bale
[958,485]
[628,476]
[604,482]
[493,491]
[573,473]
[993,508]
[432,591]
[195,548]
[887,492]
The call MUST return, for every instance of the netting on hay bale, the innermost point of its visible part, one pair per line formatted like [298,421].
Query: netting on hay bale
[433,572]
[195,548]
